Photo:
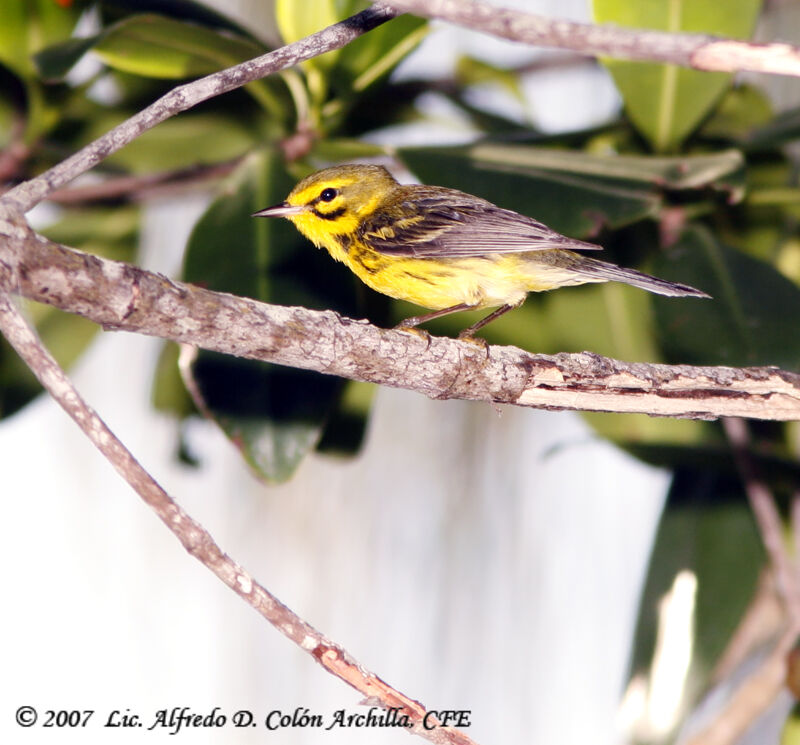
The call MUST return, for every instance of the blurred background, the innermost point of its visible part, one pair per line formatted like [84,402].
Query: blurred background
[566,578]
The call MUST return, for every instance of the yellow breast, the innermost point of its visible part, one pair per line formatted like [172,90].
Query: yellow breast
[441,283]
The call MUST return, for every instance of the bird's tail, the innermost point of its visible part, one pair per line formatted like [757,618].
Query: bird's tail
[601,271]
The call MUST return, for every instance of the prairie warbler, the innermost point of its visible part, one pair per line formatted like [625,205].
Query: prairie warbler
[441,248]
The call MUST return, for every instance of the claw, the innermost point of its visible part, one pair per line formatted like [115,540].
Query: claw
[477,340]
[421,333]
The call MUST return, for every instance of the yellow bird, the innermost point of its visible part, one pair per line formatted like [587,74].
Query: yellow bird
[441,248]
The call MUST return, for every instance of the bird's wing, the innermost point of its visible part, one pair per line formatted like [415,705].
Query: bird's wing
[443,226]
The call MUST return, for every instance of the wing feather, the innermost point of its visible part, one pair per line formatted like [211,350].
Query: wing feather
[447,223]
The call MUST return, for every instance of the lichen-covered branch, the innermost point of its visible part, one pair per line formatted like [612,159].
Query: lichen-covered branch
[121,296]
[701,51]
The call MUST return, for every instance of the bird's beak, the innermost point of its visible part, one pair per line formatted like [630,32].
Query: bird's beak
[284,209]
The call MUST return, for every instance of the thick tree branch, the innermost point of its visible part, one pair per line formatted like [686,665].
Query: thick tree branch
[184,97]
[121,296]
[701,51]
[199,543]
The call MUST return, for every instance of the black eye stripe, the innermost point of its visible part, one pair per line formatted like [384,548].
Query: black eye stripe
[329,215]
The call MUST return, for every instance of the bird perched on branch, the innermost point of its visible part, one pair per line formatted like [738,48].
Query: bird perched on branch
[441,248]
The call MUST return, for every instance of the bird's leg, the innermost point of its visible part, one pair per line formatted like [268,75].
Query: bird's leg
[468,332]
[417,320]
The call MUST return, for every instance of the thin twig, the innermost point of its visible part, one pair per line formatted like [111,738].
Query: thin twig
[121,296]
[795,523]
[767,517]
[16,151]
[25,196]
[700,51]
[141,186]
[12,158]
[199,543]
[751,700]
[761,623]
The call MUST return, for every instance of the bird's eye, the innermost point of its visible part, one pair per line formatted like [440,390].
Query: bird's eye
[328,195]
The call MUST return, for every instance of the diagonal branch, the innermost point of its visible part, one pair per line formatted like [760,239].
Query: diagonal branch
[199,543]
[26,195]
[120,296]
[141,186]
[701,51]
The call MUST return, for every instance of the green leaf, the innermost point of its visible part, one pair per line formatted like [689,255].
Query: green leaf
[751,319]
[361,65]
[575,192]
[298,20]
[274,415]
[18,386]
[373,56]
[791,729]
[474,71]
[64,334]
[669,172]
[8,110]
[347,422]
[56,60]
[331,150]
[27,26]
[159,47]
[168,392]
[346,72]
[610,319]
[200,13]
[111,232]
[771,135]
[741,110]
[181,142]
[710,452]
[666,102]
[155,46]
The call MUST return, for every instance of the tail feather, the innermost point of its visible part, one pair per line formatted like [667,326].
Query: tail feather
[602,271]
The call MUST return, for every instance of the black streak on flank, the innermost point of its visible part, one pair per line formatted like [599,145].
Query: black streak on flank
[344,240]
[370,261]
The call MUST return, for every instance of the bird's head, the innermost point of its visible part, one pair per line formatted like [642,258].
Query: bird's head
[334,201]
